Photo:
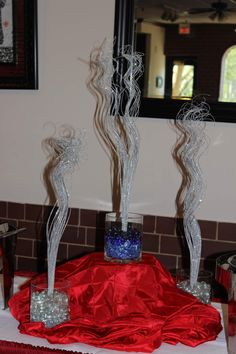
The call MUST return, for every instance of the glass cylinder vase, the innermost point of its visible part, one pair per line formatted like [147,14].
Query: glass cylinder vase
[123,246]
[203,287]
[51,308]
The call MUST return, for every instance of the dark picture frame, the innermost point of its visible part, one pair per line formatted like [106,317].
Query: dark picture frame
[18,55]
[124,28]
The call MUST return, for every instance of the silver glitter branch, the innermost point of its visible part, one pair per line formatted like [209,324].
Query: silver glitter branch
[67,150]
[101,85]
[132,134]
[191,122]
[102,68]
[123,130]
[116,118]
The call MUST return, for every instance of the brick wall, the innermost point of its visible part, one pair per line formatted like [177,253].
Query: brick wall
[163,236]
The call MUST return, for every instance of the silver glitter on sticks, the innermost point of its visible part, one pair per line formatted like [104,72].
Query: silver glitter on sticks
[130,159]
[191,123]
[116,115]
[68,152]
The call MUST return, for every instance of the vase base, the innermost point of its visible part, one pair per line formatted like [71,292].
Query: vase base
[122,261]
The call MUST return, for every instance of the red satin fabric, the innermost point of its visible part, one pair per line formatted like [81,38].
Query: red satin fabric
[132,307]
[7,347]
[232,318]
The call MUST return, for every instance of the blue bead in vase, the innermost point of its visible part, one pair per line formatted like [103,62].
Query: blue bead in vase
[123,246]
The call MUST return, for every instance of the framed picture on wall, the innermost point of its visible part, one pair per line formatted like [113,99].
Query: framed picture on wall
[18,44]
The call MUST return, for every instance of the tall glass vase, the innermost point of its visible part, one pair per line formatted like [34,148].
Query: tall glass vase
[50,308]
[123,246]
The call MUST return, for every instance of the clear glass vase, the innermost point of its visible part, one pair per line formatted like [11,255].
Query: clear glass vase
[49,308]
[123,246]
[203,287]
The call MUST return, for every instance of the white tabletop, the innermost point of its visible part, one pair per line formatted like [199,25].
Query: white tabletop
[9,332]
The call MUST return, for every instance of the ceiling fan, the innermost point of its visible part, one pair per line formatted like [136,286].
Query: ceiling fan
[218,10]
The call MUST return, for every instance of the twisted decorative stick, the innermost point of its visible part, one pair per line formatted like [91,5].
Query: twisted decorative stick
[103,67]
[191,121]
[132,134]
[68,156]
[123,130]
[116,126]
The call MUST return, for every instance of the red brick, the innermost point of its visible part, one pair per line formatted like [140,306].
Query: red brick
[88,217]
[214,248]
[77,251]
[167,261]
[149,223]
[95,237]
[165,225]
[172,245]
[40,249]
[3,209]
[27,264]
[33,212]
[74,217]
[227,231]
[208,229]
[33,230]
[62,254]
[71,235]
[24,247]
[92,218]
[150,243]
[16,211]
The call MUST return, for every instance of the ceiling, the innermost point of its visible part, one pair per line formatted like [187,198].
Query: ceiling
[184,10]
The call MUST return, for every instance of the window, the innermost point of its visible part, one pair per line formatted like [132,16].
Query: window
[182,80]
[180,77]
[228,76]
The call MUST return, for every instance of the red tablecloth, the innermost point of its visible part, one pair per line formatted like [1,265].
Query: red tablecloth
[132,307]
[18,348]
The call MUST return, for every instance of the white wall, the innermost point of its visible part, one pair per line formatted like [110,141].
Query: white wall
[69,30]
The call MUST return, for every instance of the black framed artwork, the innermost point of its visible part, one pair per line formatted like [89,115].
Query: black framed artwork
[18,44]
